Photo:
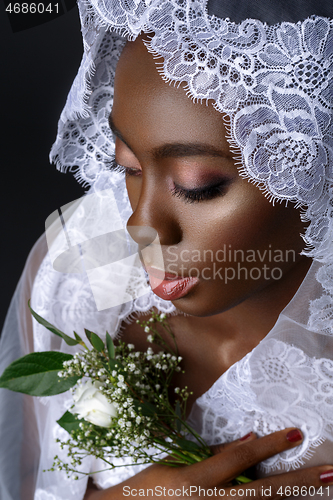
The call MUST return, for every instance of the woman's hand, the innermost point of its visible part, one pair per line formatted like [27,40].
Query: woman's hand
[217,473]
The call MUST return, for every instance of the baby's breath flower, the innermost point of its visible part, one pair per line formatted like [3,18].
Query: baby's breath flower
[137,380]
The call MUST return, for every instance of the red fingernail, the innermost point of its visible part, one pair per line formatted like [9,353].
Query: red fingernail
[244,438]
[327,477]
[294,436]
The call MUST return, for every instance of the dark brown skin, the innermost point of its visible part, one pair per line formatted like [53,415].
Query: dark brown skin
[154,124]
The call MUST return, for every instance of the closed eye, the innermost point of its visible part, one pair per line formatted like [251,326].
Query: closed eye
[188,195]
[202,193]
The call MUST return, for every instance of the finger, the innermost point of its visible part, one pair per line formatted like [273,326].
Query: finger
[240,458]
[218,448]
[232,461]
[302,483]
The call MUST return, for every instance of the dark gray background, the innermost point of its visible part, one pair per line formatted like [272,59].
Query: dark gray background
[38,66]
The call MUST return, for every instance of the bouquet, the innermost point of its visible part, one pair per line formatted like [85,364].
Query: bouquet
[121,399]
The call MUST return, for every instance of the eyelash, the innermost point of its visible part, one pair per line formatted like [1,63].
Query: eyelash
[115,167]
[200,194]
[188,195]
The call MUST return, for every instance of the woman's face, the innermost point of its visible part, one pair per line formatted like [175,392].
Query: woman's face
[182,180]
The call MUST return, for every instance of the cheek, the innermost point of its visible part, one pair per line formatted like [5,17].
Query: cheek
[237,249]
[244,219]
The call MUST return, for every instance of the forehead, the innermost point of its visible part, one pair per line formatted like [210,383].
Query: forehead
[146,106]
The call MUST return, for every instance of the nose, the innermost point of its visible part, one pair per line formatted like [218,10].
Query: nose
[154,218]
[143,235]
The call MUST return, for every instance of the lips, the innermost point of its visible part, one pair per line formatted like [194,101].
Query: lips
[167,286]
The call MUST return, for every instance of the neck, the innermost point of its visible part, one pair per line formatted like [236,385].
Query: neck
[259,313]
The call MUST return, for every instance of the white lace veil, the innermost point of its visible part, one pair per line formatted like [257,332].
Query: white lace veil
[274,83]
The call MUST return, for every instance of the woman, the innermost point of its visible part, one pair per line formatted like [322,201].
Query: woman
[232,257]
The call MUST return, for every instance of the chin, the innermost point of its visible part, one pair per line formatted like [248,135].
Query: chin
[194,305]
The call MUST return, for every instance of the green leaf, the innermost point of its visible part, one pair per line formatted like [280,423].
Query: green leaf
[179,415]
[69,422]
[95,341]
[37,374]
[187,445]
[77,337]
[242,480]
[52,328]
[110,345]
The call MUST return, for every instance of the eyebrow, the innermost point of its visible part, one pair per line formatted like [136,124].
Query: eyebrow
[177,150]
[180,150]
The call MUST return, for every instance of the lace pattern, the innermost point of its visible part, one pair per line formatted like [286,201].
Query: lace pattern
[274,387]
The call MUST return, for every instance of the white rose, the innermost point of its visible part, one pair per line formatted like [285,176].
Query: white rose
[92,405]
